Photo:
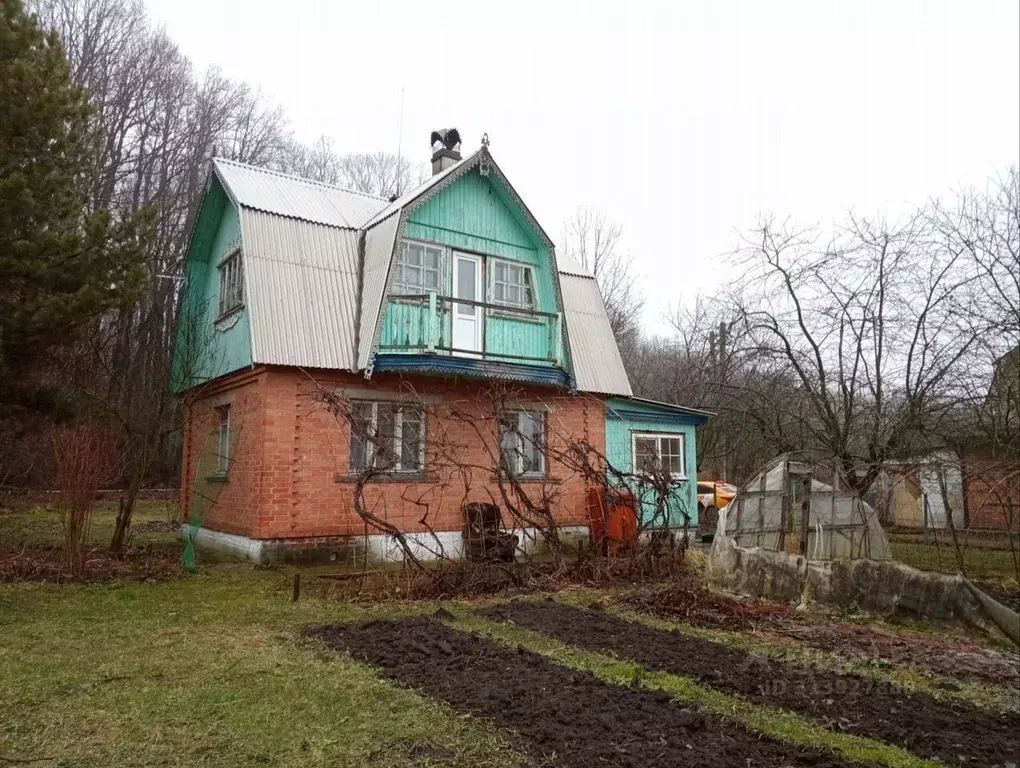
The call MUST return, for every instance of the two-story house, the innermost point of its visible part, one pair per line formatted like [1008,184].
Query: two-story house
[295,286]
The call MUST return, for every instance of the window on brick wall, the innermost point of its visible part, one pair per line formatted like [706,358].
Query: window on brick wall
[387,436]
[223,440]
[522,443]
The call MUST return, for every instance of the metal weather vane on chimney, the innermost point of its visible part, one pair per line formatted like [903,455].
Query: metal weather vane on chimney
[445,149]
[448,137]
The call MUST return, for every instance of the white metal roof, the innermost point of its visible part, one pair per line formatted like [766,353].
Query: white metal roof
[567,266]
[302,241]
[594,355]
[279,193]
[379,241]
[302,287]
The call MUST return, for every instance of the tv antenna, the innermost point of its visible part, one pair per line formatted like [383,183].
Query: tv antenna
[400,140]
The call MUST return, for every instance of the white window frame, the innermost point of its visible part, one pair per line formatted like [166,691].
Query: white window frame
[397,437]
[492,269]
[518,453]
[401,288]
[657,436]
[223,440]
[231,269]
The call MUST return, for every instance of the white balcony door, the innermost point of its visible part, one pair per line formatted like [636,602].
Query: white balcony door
[467,318]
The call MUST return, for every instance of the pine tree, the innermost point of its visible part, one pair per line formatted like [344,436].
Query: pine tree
[61,268]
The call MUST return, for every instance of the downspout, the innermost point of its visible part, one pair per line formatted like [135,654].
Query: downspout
[359,295]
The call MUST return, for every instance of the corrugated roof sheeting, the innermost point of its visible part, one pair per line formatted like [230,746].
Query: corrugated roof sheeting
[378,252]
[567,266]
[302,290]
[285,195]
[596,359]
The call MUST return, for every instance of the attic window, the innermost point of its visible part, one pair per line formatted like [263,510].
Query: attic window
[418,269]
[231,283]
[513,285]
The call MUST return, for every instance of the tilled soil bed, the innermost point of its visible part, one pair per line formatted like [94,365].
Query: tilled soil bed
[565,717]
[960,661]
[693,604]
[950,731]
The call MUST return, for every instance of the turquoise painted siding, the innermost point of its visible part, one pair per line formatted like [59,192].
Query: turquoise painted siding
[477,214]
[619,451]
[207,349]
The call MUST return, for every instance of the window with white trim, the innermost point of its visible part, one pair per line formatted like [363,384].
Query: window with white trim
[231,282]
[522,443]
[387,436]
[223,440]
[655,450]
[513,285]
[418,269]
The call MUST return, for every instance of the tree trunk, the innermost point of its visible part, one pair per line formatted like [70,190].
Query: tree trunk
[126,508]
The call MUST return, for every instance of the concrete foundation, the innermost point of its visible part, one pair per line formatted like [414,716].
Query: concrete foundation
[355,550]
[882,586]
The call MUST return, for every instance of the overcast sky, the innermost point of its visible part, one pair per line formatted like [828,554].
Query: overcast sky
[682,120]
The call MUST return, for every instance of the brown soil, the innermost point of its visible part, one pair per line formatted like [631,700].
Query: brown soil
[1008,596]
[689,602]
[959,661]
[693,604]
[135,564]
[950,731]
[568,718]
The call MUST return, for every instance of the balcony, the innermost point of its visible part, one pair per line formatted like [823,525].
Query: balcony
[444,326]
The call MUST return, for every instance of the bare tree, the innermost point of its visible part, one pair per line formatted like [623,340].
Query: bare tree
[593,240]
[984,227]
[381,174]
[869,324]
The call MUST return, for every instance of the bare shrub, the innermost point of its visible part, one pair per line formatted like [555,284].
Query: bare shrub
[473,450]
[85,458]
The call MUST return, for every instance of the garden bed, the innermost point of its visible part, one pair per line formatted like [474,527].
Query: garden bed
[565,717]
[48,565]
[693,604]
[949,731]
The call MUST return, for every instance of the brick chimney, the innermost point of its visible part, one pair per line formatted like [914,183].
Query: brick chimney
[445,149]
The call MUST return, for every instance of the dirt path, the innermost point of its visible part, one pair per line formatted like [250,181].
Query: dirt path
[569,718]
[949,731]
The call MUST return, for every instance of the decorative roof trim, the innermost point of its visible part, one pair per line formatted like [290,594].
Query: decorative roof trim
[460,366]
[460,171]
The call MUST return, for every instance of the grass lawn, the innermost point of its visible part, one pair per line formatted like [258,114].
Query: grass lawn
[211,669]
[204,670]
[981,563]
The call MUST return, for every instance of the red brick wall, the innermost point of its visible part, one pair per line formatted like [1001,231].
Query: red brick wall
[232,506]
[993,494]
[283,481]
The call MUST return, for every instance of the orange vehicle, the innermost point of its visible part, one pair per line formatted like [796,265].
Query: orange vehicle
[713,495]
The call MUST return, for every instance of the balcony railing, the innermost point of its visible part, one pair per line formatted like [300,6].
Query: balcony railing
[424,325]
